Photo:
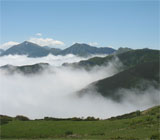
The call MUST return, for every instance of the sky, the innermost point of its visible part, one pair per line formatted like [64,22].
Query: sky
[61,23]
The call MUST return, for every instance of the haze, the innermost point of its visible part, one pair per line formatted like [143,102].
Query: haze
[53,92]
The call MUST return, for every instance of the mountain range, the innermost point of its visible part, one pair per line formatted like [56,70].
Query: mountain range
[34,50]
[127,58]
[140,70]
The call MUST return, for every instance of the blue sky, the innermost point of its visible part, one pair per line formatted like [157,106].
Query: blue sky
[115,23]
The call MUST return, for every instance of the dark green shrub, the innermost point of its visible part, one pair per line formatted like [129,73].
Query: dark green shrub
[98,133]
[5,119]
[2,121]
[21,118]
[155,137]
[68,132]
[76,119]
[138,113]
[149,119]
[158,116]
[91,119]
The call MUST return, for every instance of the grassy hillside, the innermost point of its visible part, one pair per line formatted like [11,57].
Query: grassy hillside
[141,70]
[129,58]
[140,76]
[133,126]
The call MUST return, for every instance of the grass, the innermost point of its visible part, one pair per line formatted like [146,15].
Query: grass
[144,126]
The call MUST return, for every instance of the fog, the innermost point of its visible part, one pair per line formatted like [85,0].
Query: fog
[53,92]
[19,60]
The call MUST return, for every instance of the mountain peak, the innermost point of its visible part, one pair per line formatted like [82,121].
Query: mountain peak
[27,48]
[34,50]
[26,42]
[80,44]
[76,44]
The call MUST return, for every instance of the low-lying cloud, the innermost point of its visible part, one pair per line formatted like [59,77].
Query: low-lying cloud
[19,60]
[52,93]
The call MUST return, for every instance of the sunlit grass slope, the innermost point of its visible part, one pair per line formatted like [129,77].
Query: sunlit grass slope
[133,126]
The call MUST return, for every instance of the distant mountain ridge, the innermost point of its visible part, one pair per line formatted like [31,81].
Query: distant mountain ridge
[140,70]
[25,69]
[34,50]
[27,48]
[128,59]
[85,49]
[122,50]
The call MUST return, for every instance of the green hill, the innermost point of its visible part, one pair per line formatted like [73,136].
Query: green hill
[140,76]
[26,69]
[129,58]
[132,126]
[122,50]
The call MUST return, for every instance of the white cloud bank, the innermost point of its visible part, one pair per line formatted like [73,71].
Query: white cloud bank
[7,45]
[19,60]
[46,42]
[52,93]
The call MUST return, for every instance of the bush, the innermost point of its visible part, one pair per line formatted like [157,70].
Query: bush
[76,119]
[91,119]
[149,119]
[155,137]
[68,133]
[21,118]
[158,116]
[138,113]
[5,119]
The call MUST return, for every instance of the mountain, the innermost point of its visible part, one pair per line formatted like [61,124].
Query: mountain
[1,51]
[140,70]
[55,51]
[128,59]
[27,48]
[122,50]
[85,49]
[140,76]
[34,50]
[46,47]
[26,69]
